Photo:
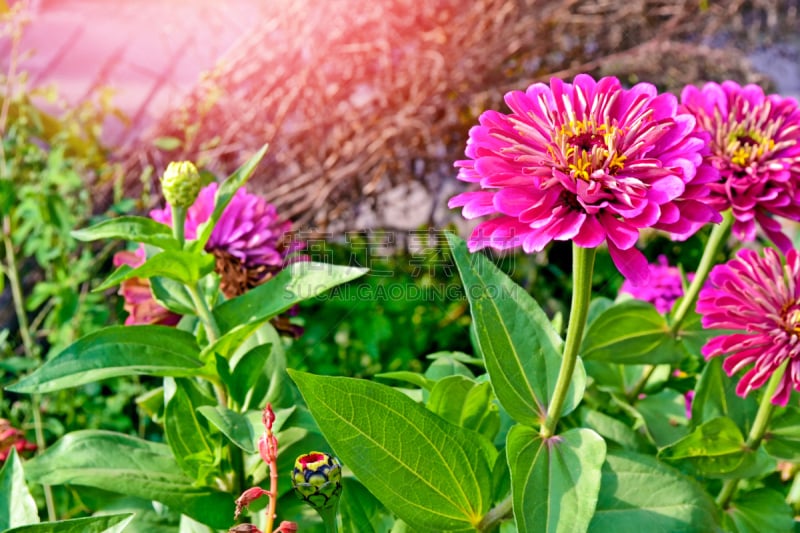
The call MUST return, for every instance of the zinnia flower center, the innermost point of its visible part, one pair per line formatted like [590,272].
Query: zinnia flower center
[746,146]
[791,318]
[587,147]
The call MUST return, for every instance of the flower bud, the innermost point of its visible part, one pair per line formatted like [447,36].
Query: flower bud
[317,479]
[181,183]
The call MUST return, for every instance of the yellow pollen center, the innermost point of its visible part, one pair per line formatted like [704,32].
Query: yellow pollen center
[587,147]
[747,146]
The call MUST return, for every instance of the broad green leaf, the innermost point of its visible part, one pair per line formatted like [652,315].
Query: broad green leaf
[187,431]
[224,196]
[714,447]
[235,426]
[631,332]
[461,357]
[178,265]
[463,402]
[130,228]
[113,523]
[664,414]
[554,483]
[116,351]
[413,378]
[759,511]
[639,493]
[295,283]
[430,473]
[610,429]
[249,370]
[132,466]
[447,366]
[17,506]
[518,343]
[715,395]
[782,441]
[361,512]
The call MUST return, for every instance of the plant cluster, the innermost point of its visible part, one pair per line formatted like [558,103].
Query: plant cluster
[669,408]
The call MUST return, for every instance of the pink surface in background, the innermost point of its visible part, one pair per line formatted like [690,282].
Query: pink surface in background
[150,52]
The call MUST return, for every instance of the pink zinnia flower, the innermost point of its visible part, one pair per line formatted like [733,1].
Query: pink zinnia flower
[587,161]
[662,290]
[760,297]
[250,243]
[755,144]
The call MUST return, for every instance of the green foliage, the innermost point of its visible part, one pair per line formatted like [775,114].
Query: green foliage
[17,506]
[556,481]
[391,443]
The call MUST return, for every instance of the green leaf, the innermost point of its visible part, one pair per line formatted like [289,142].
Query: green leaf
[610,428]
[554,482]
[130,228]
[759,511]
[172,295]
[413,378]
[235,426]
[17,506]
[782,441]
[715,447]
[187,431]
[167,143]
[430,473]
[113,523]
[664,414]
[631,332]
[519,345]
[224,196]
[178,265]
[132,466]
[116,351]
[462,402]
[639,493]
[715,395]
[295,283]
[361,512]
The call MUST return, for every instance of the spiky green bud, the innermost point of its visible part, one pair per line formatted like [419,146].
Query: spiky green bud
[181,183]
[317,479]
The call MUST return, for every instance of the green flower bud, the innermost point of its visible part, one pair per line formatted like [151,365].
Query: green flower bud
[181,183]
[317,479]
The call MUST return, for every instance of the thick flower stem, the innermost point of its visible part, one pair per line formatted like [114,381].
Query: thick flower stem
[757,431]
[582,269]
[715,243]
[178,224]
[11,271]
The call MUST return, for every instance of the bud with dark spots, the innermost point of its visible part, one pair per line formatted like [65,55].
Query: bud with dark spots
[317,479]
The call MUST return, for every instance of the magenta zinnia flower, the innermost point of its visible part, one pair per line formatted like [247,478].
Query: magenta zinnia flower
[760,297]
[664,287]
[249,241]
[587,161]
[755,144]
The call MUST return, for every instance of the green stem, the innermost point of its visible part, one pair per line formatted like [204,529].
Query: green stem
[757,431]
[639,386]
[178,224]
[495,515]
[329,519]
[715,243]
[582,269]
[204,313]
[28,345]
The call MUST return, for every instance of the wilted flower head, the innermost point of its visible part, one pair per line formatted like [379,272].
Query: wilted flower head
[249,241]
[755,145]
[760,297]
[12,438]
[587,161]
[664,287]
[139,302]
